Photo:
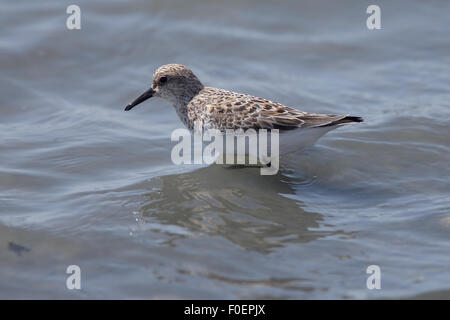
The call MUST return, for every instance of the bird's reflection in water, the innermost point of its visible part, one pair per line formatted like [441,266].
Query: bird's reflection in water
[255,212]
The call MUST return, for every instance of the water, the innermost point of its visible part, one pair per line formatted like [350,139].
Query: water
[84,183]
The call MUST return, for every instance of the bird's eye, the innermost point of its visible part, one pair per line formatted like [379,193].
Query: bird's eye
[163,80]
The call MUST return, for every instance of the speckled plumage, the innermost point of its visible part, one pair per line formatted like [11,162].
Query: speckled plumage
[212,108]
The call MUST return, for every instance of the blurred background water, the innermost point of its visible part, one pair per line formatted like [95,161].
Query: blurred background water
[84,183]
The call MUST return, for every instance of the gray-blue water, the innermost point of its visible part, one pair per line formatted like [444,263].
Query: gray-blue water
[84,183]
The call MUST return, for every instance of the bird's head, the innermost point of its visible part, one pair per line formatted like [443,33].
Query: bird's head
[173,82]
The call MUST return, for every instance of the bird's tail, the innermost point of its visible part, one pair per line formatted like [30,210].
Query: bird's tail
[342,120]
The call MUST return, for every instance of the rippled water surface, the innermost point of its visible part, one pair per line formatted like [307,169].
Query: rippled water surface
[84,183]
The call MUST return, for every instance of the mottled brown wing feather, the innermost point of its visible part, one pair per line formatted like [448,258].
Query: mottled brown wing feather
[230,110]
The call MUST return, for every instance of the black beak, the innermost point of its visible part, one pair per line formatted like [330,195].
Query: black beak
[146,95]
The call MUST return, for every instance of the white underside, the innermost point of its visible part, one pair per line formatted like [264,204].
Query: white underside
[289,142]
[296,140]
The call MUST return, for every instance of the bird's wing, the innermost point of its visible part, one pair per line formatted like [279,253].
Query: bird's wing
[230,110]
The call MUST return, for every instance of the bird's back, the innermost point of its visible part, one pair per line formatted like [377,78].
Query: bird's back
[222,109]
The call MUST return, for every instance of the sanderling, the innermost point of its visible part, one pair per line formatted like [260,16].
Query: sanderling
[213,108]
